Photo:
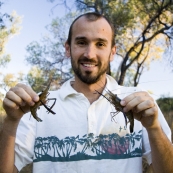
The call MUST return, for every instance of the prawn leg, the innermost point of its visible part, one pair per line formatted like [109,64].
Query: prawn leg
[115,101]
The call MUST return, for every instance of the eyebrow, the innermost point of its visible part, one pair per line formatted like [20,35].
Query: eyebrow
[85,38]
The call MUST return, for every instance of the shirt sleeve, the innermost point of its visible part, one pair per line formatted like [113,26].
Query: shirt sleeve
[24,144]
[146,144]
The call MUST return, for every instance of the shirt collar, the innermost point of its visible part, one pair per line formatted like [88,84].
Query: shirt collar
[111,85]
[67,90]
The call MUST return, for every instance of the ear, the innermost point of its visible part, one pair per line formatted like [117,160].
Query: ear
[113,52]
[67,50]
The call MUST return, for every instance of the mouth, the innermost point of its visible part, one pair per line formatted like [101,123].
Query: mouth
[89,65]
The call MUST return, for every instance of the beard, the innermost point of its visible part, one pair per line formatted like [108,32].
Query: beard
[88,77]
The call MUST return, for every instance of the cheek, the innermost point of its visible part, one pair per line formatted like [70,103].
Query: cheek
[105,56]
[75,50]
[77,53]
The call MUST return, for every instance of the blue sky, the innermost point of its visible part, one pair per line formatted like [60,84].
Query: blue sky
[37,14]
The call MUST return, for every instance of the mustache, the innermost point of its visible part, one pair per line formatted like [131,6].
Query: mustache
[87,60]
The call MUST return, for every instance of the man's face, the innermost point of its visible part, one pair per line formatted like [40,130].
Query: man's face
[90,49]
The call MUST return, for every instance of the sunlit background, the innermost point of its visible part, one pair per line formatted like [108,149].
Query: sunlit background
[36,14]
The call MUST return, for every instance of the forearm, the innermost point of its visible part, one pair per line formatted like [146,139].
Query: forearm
[7,143]
[161,150]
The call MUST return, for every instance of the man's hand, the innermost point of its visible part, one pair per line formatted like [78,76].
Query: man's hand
[143,107]
[18,100]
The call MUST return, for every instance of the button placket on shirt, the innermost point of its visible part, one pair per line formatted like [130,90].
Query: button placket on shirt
[91,119]
[90,112]
[83,101]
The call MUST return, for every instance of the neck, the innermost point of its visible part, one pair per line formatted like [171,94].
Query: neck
[89,89]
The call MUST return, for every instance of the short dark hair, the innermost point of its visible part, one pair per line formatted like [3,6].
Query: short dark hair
[91,16]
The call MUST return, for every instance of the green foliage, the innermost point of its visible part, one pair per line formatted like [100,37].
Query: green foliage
[9,26]
[7,81]
[3,17]
[119,12]
[49,55]
[165,104]
[4,60]
[142,34]
[36,80]
[2,112]
[141,30]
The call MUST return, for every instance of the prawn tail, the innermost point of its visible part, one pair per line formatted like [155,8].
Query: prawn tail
[131,120]
[36,117]
[125,117]
[131,128]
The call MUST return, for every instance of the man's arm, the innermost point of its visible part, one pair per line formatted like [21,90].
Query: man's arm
[15,170]
[161,151]
[7,142]
[145,110]
[19,96]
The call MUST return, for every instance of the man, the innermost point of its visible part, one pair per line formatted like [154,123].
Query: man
[83,136]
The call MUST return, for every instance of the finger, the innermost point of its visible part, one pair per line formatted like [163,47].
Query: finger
[30,91]
[136,104]
[10,104]
[13,97]
[134,100]
[12,108]
[25,93]
[149,112]
[143,105]
[132,96]
[147,117]
[19,95]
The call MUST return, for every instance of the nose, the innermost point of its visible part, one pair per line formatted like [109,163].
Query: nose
[90,51]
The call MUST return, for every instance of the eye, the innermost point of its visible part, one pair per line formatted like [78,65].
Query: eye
[81,43]
[100,44]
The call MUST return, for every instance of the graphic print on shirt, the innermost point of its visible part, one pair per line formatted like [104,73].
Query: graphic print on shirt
[78,148]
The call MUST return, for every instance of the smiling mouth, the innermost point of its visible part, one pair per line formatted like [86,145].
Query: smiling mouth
[88,65]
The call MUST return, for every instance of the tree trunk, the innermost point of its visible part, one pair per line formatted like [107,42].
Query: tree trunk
[122,75]
[109,70]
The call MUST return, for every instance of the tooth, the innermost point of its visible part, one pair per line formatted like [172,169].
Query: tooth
[88,65]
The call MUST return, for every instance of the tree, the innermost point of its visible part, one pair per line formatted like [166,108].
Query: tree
[166,106]
[7,81]
[9,26]
[169,52]
[48,56]
[143,30]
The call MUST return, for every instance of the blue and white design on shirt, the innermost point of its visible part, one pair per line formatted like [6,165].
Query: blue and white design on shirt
[76,148]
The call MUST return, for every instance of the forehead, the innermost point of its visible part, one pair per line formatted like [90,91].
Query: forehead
[99,28]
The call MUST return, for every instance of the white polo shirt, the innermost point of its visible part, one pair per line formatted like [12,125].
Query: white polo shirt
[82,137]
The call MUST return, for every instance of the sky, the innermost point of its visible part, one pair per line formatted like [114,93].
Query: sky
[36,14]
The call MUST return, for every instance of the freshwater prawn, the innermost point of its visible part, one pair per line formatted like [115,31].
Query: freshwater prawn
[115,101]
[42,99]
